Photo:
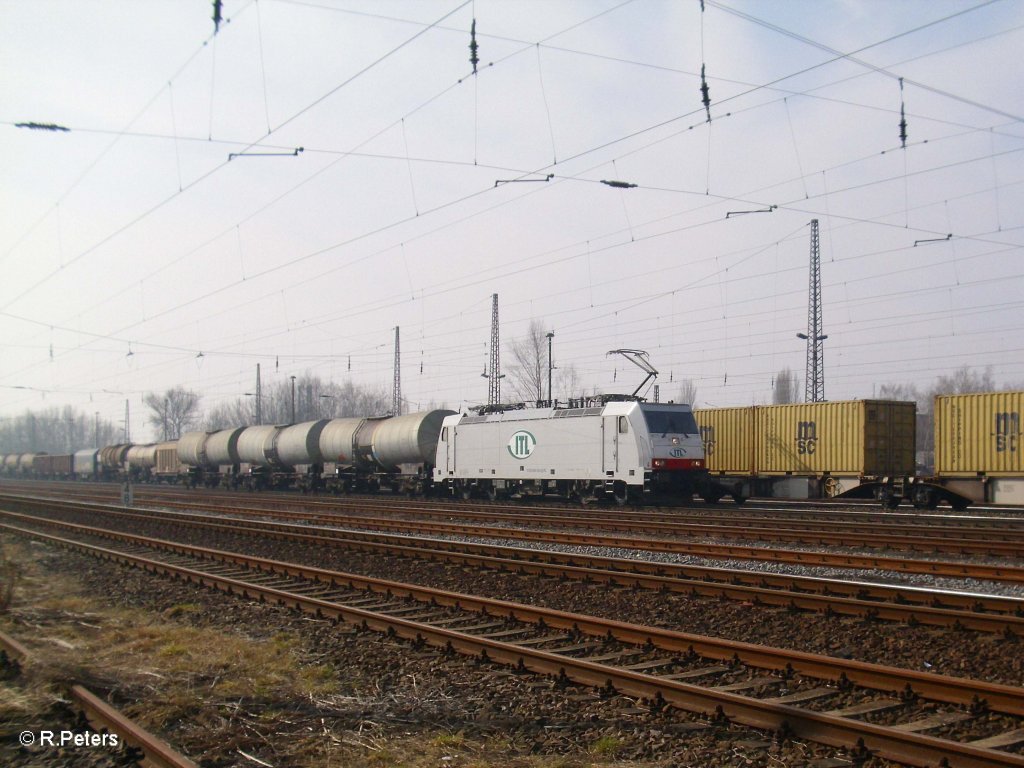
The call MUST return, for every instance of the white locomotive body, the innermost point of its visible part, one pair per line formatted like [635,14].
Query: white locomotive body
[622,449]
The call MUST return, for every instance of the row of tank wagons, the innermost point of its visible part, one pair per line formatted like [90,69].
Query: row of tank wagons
[868,448]
[340,455]
[329,454]
[114,462]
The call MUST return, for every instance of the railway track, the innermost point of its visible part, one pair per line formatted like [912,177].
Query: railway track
[813,697]
[998,537]
[1006,573]
[155,753]
[944,608]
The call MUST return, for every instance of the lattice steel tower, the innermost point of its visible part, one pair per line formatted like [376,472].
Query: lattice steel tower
[494,377]
[814,378]
[396,390]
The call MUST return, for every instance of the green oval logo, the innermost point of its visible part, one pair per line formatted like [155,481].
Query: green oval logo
[521,444]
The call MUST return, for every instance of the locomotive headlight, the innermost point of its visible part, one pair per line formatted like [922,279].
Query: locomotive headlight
[675,441]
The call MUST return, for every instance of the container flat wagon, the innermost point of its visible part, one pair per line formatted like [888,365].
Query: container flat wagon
[809,450]
[977,455]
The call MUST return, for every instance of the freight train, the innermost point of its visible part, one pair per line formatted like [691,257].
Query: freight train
[618,448]
[613,447]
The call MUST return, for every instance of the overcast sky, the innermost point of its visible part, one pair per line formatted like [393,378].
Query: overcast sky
[176,217]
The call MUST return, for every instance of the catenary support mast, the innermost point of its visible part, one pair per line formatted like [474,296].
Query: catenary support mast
[814,378]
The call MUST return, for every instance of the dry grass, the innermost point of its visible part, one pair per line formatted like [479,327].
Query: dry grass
[220,695]
[8,579]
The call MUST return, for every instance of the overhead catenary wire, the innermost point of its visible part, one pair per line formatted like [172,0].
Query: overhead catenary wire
[709,159]
[801,173]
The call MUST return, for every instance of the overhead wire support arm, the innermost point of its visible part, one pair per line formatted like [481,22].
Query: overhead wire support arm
[638,357]
[769,209]
[293,153]
[549,177]
[934,239]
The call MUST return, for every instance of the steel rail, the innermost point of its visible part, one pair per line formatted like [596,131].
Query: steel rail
[1002,539]
[155,751]
[1005,573]
[1009,622]
[987,543]
[826,728]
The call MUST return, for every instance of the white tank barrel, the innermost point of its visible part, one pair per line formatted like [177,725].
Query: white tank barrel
[300,443]
[337,440]
[192,448]
[408,439]
[222,447]
[256,445]
[141,456]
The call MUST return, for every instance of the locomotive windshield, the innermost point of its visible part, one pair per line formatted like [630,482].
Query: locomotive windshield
[670,422]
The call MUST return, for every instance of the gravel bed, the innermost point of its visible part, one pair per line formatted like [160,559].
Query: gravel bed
[388,693]
[890,578]
[962,654]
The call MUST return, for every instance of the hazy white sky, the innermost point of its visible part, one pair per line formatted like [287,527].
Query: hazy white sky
[137,231]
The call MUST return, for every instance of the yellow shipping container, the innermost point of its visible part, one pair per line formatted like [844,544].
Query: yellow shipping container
[854,438]
[728,437]
[979,435]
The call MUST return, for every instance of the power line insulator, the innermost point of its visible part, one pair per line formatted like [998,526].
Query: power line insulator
[705,93]
[473,58]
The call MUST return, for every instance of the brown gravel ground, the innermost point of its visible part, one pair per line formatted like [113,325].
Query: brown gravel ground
[978,655]
[235,683]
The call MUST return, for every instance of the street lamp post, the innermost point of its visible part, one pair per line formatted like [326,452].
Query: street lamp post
[551,401]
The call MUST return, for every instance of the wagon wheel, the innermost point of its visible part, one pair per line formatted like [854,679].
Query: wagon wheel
[620,492]
[832,487]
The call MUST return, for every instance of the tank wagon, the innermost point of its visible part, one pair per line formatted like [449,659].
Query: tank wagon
[210,458]
[622,449]
[809,450]
[112,461]
[140,461]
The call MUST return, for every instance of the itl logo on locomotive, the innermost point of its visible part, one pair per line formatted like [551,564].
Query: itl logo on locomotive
[806,437]
[521,444]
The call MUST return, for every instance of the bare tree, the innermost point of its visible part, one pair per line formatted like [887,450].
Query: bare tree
[173,412]
[55,430]
[786,387]
[964,381]
[567,382]
[528,373]
[314,399]
[904,392]
[687,392]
